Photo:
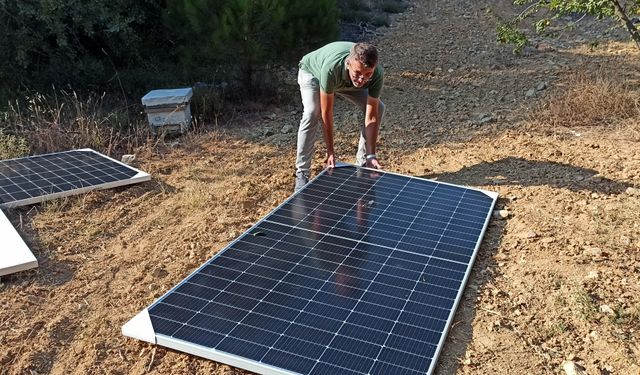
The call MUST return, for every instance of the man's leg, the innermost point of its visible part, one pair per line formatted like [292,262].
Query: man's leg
[359,99]
[310,93]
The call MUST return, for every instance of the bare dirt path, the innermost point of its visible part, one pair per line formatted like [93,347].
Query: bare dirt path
[557,280]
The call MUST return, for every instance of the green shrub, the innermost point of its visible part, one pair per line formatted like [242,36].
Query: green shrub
[83,43]
[245,36]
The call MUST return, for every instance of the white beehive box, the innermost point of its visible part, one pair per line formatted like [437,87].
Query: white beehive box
[168,111]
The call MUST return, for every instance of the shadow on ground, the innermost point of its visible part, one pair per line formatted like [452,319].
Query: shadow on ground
[461,329]
[523,172]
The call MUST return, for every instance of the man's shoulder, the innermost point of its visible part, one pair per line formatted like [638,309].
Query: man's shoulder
[331,50]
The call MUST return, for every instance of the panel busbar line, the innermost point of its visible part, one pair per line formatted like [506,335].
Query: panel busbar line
[38,178]
[360,272]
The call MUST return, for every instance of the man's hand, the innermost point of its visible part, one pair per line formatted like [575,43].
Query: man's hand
[373,163]
[331,160]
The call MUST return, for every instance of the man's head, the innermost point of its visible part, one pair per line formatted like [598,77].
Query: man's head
[361,63]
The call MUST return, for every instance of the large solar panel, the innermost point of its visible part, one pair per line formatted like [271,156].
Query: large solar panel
[38,178]
[360,272]
[15,255]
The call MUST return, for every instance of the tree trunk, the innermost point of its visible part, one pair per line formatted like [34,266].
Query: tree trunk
[633,31]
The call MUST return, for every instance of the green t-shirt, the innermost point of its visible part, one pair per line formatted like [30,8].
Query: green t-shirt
[328,65]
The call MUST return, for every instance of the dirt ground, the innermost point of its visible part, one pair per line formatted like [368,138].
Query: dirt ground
[557,278]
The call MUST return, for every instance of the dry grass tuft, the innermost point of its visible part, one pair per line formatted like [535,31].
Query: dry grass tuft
[592,99]
[68,121]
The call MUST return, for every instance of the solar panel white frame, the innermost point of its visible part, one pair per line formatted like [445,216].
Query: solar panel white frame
[15,255]
[140,326]
[139,176]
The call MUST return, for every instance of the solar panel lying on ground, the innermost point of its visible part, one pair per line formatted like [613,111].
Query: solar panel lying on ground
[15,255]
[38,178]
[360,272]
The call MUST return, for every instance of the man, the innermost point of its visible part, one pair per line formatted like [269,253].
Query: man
[348,70]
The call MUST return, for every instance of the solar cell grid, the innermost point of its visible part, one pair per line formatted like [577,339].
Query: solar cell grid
[38,178]
[358,273]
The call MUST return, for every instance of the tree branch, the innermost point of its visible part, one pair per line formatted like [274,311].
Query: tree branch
[633,31]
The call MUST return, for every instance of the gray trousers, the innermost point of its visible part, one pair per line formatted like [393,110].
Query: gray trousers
[311,120]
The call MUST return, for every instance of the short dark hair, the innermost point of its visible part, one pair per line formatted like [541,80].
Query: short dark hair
[364,53]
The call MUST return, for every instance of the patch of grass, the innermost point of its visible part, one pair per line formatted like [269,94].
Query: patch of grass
[67,121]
[558,328]
[12,146]
[611,223]
[626,316]
[591,99]
[560,301]
[585,305]
[198,196]
[56,205]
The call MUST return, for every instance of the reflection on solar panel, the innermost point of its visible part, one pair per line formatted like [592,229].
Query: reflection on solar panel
[360,272]
[38,178]
[14,254]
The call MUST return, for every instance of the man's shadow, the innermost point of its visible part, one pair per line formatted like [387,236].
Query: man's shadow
[523,172]
[507,171]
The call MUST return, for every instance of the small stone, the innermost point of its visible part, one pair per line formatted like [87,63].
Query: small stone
[541,86]
[594,252]
[485,118]
[625,240]
[593,335]
[271,116]
[605,309]
[529,234]
[548,240]
[501,214]
[128,158]
[572,368]
[530,93]
[268,133]
[288,128]
[159,273]
[467,359]
[633,191]
[593,275]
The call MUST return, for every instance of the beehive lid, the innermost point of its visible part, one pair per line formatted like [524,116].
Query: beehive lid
[167,97]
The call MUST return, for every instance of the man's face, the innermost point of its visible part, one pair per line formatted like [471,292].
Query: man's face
[358,73]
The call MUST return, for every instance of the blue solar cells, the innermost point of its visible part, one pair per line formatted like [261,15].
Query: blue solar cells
[30,179]
[357,273]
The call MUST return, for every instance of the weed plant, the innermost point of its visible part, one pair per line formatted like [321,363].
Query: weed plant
[64,121]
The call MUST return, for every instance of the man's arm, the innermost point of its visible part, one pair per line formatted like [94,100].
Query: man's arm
[371,128]
[326,106]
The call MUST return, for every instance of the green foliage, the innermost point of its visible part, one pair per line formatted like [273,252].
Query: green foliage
[46,42]
[248,35]
[554,10]
[508,33]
